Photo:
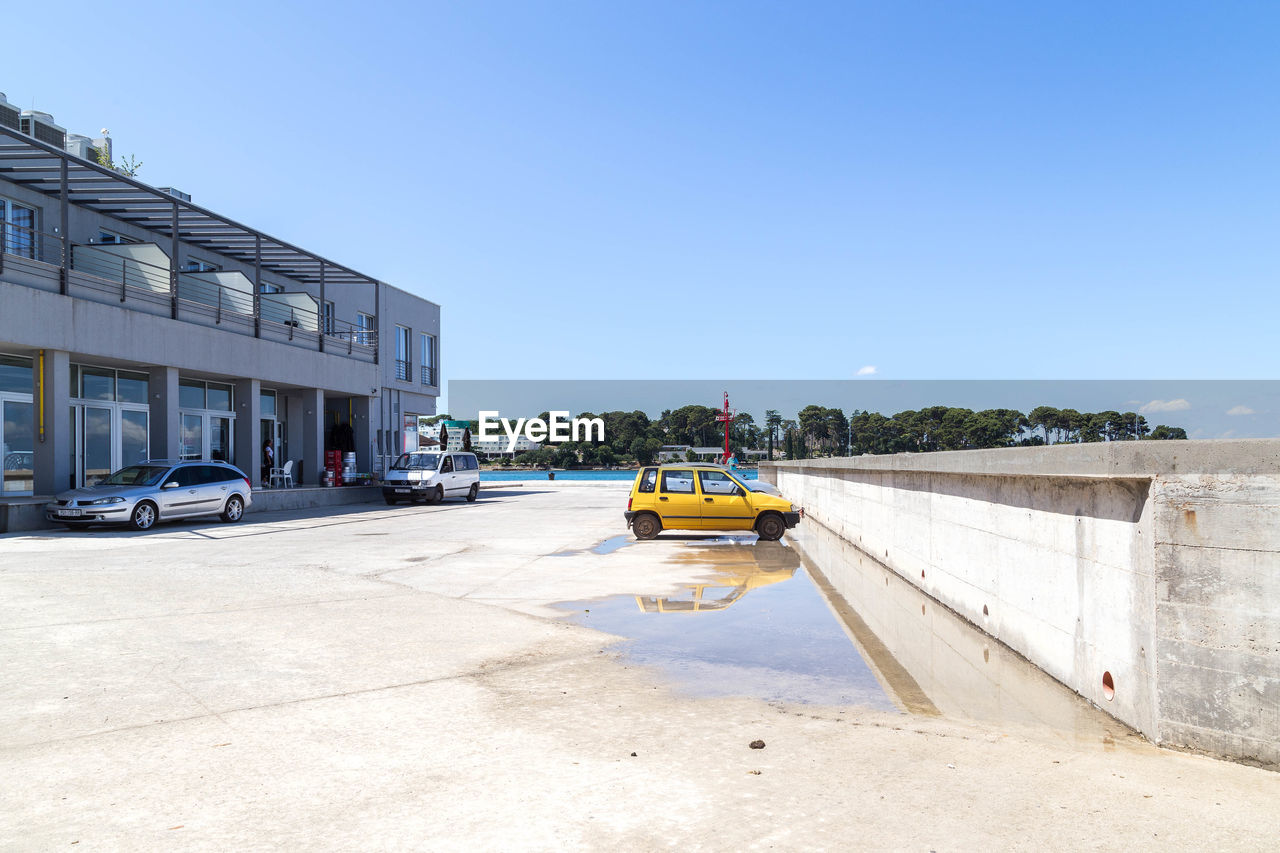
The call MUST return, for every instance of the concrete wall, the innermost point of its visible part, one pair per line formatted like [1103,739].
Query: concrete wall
[1154,563]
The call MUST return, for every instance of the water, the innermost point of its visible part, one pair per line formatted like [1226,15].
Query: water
[813,620]
[757,627]
[627,476]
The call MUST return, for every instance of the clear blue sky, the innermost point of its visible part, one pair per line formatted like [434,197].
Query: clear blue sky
[939,190]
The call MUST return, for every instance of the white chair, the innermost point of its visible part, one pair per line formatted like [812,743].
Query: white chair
[282,477]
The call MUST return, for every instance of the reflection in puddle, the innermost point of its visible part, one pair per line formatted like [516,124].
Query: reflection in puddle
[777,643]
[838,628]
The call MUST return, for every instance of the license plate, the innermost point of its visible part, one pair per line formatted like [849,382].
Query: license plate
[70,513]
[402,491]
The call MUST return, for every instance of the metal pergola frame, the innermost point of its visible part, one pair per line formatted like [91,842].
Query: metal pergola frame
[56,173]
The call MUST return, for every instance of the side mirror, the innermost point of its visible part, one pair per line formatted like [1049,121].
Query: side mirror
[172,484]
[739,492]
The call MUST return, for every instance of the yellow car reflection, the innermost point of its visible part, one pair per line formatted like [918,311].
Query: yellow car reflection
[739,569]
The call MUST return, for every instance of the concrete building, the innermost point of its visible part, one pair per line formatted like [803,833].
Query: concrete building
[135,324]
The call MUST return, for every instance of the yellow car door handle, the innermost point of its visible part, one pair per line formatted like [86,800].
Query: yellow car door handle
[661,498]
[709,500]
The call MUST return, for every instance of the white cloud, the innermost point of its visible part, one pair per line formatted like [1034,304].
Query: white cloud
[869,370]
[1241,410]
[1177,405]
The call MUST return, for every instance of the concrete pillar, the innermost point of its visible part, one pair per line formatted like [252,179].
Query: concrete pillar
[248,442]
[53,448]
[166,438]
[312,415]
[361,422]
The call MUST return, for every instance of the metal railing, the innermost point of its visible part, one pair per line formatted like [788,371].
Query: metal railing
[402,369]
[427,374]
[193,296]
[23,242]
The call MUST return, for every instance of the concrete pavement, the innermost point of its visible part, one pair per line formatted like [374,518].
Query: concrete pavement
[397,678]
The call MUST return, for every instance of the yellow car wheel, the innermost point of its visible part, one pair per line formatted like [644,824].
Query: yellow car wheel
[646,526]
[771,526]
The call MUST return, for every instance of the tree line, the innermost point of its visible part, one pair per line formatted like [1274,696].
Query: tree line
[822,431]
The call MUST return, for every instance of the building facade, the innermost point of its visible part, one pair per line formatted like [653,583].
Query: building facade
[135,324]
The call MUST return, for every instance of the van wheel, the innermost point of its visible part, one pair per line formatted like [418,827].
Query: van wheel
[143,516]
[771,527]
[474,493]
[234,510]
[646,526]
[438,495]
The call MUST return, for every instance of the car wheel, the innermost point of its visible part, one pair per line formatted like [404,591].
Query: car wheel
[391,501]
[234,510]
[474,493]
[646,526]
[771,527]
[438,495]
[143,516]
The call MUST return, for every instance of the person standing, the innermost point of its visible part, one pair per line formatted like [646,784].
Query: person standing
[268,461]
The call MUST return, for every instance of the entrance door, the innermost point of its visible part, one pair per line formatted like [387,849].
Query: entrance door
[97,442]
[17,444]
[192,443]
[107,437]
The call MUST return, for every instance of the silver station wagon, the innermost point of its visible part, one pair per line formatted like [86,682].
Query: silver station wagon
[140,495]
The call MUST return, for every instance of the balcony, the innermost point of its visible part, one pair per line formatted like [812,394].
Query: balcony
[138,277]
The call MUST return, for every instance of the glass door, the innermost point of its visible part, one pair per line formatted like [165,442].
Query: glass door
[219,438]
[96,445]
[18,445]
[192,437]
[134,441]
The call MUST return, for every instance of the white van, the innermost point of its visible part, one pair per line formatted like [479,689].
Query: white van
[432,475]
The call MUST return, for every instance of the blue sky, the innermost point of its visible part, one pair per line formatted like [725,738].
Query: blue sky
[794,190]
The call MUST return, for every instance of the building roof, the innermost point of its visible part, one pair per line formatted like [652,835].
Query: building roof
[28,162]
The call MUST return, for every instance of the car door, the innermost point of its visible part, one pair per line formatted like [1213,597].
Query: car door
[678,499]
[449,475]
[184,498]
[725,504]
[215,483]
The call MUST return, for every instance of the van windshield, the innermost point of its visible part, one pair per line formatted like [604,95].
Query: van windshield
[428,461]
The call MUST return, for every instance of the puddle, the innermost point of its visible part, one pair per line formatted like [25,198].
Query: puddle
[608,546]
[757,627]
[815,621]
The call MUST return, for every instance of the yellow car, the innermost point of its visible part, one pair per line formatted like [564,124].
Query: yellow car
[692,496]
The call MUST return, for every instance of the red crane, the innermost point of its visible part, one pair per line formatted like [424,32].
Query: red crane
[727,417]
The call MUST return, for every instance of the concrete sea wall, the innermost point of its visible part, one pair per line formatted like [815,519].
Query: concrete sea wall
[1143,575]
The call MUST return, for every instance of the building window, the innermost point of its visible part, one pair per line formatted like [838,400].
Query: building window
[193,265]
[17,229]
[402,353]
[327,316]
[427,347]
[364,329]
[112,238]
[270,288]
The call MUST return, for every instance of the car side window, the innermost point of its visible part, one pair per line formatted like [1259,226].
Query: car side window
[716,483]
[447,465]
[648,480]
[187,475]
[677,482]
[470,463]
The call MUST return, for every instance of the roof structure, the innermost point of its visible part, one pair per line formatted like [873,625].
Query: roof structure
[29,162]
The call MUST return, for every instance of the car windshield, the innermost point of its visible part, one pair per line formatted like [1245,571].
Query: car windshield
[136,475]
[417,460]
